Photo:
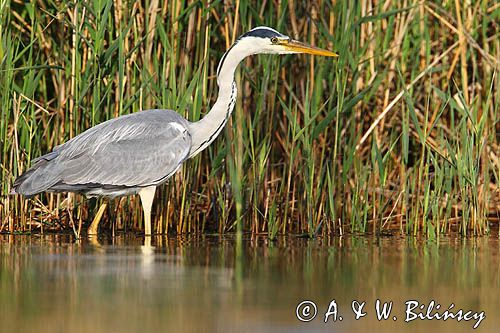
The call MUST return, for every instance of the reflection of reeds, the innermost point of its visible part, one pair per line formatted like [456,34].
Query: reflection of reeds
[401,132]
[53,283]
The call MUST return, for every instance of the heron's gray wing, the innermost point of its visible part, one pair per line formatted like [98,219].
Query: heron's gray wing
[138,150]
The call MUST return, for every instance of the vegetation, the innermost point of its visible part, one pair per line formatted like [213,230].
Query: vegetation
[401,132]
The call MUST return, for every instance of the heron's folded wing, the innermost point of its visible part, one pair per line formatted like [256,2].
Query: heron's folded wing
[128,152]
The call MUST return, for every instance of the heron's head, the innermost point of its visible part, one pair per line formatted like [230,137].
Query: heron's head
[269,41]
[263,40]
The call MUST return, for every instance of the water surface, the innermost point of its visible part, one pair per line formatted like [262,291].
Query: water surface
[52,283]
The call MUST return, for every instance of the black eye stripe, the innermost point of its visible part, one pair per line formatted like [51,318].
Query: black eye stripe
[262,33]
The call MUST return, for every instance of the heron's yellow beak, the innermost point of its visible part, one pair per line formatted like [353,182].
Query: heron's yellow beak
[299,47]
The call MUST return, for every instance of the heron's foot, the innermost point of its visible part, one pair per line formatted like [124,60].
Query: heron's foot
[94,241]
[97,219]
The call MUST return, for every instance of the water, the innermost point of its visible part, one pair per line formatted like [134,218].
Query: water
[51,283]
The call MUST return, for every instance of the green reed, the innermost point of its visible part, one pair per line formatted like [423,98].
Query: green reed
[294,158]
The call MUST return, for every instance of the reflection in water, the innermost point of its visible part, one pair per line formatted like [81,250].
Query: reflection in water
[52,283]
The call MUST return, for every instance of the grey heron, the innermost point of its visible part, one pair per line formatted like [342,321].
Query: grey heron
[137,152]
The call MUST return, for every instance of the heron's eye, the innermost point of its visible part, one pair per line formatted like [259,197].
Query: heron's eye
[274,40]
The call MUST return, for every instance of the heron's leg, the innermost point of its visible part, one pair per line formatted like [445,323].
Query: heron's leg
[95,223]
[147,195]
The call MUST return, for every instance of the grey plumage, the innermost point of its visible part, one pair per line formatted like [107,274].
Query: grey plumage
[117,157]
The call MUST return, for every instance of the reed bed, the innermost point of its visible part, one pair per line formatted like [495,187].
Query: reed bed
[399,134]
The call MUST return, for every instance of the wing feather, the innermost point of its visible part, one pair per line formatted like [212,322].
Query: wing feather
[139,150]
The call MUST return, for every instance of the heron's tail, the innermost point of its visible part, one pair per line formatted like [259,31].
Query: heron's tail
[40,177]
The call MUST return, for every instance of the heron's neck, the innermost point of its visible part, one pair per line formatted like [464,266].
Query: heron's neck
[206,130]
